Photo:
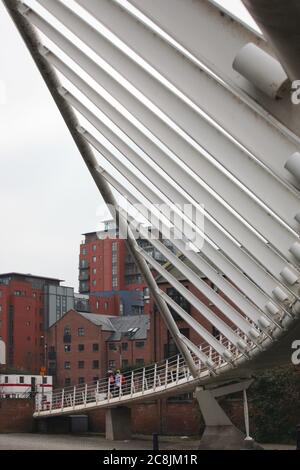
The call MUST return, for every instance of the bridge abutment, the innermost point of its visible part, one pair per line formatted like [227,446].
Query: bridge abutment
[220,433]
[118,423]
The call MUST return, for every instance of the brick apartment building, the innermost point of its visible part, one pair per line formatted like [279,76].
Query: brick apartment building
[83,346]
[28,304]
[108,274]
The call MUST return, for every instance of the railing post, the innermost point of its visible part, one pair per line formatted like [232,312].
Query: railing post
[38,404]
[177,369]
[74,396]
[155,372]
[143,381]
[85,394]
[97,391]
[132,383]
[108,390]
[62,399]
[166,373]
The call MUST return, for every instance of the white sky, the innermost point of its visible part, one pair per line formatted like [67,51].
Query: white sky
[48,198]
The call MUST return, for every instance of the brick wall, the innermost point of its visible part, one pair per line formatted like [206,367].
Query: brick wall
[162,416]
[16,415]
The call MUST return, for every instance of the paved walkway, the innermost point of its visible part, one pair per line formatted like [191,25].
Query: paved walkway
[71,442]
[97,442]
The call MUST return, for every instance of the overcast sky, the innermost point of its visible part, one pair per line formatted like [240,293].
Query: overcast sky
[47,197]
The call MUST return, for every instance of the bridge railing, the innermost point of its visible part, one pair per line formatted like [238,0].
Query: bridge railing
[141,381]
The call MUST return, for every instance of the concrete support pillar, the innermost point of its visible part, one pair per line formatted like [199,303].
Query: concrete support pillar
[118,423]
[220,432]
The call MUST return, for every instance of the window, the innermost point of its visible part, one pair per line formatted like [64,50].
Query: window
[121,309]
[94,282]
[21,380]
[137,310]
[94,247]
[95,364]
[67,348]
[97,305]
[95,347]
[114,246]
[180,300]
[80,347]
[111,364]
[6,379]
[125,363]
[28,308]
[112,346]
[124,346]
[67,330]
[105,305]
[94,259]
[140,362]
[114,281]
[0,308]
[17,293]
[80,364]
[67,381]
[94,270]
[44,380]
[80,331]
[84,251]
[80,380]
[67,365]
[140,344]
[27,323]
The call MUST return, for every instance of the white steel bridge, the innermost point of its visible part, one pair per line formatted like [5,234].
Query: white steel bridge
[178,103]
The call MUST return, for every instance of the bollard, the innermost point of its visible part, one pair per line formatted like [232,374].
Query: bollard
[298,437]
[155,441]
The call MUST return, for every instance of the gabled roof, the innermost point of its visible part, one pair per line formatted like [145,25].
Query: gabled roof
[131,326]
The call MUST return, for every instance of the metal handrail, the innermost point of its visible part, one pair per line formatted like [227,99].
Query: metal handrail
[151,378]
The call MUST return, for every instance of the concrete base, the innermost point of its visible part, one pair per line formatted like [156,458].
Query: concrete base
[225,438]
[63,424]
[220,433]
[118,423]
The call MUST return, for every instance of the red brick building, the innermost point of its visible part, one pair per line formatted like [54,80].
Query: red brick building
[25,309]
[107,273]
[83,346]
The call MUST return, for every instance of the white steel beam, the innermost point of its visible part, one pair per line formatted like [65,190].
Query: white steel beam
[196,259]
[257,216]
[31,40]
[259,276]
[219,39]
[162,160]
[203,332]
[207,291]
[252,130]
[197,304]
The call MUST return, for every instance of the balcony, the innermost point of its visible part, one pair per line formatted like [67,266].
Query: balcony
[83,264]
[84,276]
[67,338]
[84,287]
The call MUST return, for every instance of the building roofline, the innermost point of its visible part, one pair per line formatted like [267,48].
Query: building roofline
[33,276]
